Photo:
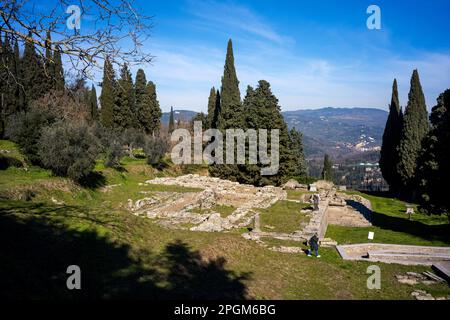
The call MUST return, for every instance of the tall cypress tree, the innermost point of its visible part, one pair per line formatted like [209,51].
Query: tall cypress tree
[58,71]
[142,106]
[212,117]
[123,115]
[2,86]
[296,159]
[33,73]
[147,105]
[12,99]
[327,172]
[171,121]
[415,128]
[20,93]
[8,78]
[155,110]
[217,109]
[231,115]
[107,96]
[389,157]
[49,66]
[211,107]
[93,103]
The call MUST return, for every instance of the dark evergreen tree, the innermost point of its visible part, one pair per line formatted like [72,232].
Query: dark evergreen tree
[143,115]
[123,116]
[58,71]
[19,91]
[389,156]
[93,106]
[203,118]
[171,121]
[215,118]
[296,161]
[107,96]
[433,171]
[48,82]
[147,105]
[33,73]
[415,128]
[327,172]
[211,108]
[263,112]
[3,76]
[9,78]
[231,115]
[155,110]
[11,95]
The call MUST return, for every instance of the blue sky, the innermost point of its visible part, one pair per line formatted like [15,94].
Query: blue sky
[314,53]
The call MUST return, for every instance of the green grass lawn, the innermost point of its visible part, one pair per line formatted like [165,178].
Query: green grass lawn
[391,225]
[283,216]
[121,255]
[296,194]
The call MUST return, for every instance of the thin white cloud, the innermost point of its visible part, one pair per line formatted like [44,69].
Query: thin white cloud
[230,15]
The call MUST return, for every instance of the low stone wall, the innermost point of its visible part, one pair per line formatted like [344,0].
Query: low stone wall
[394,253]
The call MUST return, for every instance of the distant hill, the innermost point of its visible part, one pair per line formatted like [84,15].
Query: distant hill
[340,132]
[183,115]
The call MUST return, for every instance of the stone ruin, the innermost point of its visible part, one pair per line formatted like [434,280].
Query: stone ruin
[195,210]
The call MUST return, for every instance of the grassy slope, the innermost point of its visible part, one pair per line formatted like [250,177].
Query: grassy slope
[391,225]
[127,256]
[283,216]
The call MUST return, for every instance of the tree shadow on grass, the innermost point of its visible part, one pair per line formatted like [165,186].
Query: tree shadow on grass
[358,206]
[93,180]
[36,251]
[440,232]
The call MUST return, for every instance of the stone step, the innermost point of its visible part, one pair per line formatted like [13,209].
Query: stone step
[409,256]
[443,268]
[432,276]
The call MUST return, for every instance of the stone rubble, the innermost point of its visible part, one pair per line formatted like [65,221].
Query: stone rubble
[195,210]
[179,209]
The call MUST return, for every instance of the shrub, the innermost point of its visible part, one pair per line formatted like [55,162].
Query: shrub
[25,129]
[134,139]
[68,149]
[111,144]
[155,149]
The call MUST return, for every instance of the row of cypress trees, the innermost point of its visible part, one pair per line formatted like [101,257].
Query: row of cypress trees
[402,139]
[258,110]
[414,154]
[125,104]
[28,76]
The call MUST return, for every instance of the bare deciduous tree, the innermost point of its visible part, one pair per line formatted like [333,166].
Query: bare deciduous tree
[113,28]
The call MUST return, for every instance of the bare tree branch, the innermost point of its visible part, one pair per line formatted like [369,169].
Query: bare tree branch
[113,28]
